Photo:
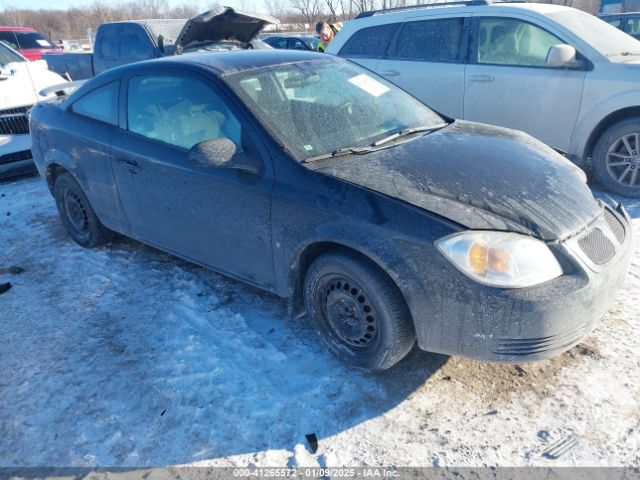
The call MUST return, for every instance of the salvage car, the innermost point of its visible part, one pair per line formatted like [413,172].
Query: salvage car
[313,178]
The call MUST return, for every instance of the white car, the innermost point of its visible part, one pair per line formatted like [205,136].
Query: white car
[20,82]
[557,73]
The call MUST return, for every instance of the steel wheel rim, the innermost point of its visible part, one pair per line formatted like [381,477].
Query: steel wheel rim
[348,313]
[623,160]
[76,213]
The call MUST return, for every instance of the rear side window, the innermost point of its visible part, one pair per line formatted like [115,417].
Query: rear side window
[101,104]
[430,40]
[504,41]
[371,42]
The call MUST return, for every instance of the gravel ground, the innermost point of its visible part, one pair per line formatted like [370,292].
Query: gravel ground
[126,356]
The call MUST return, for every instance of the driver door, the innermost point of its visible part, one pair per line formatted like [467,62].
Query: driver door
[215,216]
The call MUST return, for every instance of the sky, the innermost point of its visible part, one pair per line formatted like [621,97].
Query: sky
[255,5]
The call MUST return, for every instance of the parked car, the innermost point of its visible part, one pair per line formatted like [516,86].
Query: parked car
[293,42]
[313,178]
[27,41]
[627,22]
[20,82]
[559,74]
[120,43]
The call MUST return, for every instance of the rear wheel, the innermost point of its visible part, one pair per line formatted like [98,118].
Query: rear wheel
[358,312]
[616,158]
[76,213]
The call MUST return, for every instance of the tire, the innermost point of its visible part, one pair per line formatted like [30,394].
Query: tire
[358,312]
[76,213]
[616,158]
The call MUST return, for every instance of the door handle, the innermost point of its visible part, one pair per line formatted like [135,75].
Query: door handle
[481,78]
[390,73]
[130,165]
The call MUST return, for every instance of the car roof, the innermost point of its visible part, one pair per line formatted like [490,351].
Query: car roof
[471,6]
[150,21]
[625,14]
[17,29]
[225,63]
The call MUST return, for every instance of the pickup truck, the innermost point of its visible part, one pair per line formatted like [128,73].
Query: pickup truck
[120,43]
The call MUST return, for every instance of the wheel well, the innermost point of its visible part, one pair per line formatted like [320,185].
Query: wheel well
[298,271]
[605,123]
[54,171]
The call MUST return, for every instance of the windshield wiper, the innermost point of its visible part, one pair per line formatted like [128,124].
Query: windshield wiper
[409,131]
[338,153]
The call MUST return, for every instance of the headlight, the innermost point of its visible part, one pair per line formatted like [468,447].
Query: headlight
[501,259]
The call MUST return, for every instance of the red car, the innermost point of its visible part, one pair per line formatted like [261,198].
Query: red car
[30,43]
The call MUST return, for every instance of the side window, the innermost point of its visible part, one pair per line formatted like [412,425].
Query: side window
[280,43]
[633,26]
[179,110]
[371,42]
[108,47]
[296,44]
[616,22]
[505,41]
[135,44]
[436,40]
[101,104]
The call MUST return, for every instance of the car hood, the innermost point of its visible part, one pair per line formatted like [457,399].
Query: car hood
[479,176]
[223,24]
[21,81]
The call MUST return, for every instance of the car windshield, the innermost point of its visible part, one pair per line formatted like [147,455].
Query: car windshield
[169,30]
[8,56]
[605,38]
[317,107]
[25,40]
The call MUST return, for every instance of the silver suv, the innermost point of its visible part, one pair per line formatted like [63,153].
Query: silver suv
[557,73]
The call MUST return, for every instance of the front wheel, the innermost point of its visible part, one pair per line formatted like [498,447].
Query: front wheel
[358,312]
[616,158]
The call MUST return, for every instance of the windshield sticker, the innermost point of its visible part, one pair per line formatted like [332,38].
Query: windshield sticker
[43,43]
[369,85]
[308,148]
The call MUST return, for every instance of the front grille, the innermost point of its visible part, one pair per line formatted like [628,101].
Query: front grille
[15,157]
[597,246]
[615,225]
[14,121]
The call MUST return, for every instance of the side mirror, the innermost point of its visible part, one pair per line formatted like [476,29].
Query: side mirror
[222,153]
[562,56]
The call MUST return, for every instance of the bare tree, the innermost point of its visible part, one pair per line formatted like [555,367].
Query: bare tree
[310,10]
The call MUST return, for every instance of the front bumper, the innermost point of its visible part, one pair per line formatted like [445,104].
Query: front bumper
[457,316]
[15,155]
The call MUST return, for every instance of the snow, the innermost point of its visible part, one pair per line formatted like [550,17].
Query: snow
[127,356]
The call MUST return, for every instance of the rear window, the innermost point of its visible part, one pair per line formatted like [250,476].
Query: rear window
[371,42]
[430,40]
[101,104]
[25,40]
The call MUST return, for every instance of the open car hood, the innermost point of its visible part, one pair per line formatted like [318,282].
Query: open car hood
[223,24]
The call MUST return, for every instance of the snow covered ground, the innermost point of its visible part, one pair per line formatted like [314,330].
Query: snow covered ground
[126,356]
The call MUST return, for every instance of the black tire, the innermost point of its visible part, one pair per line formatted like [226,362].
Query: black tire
[76,213]
[613,164]
[358,312]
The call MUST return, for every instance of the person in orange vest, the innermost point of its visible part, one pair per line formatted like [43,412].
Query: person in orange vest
[327,31]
